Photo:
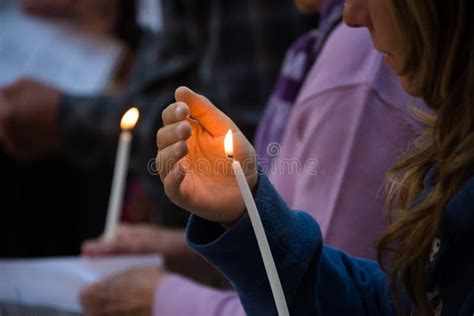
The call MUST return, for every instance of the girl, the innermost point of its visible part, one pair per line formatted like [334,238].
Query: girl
[426,252]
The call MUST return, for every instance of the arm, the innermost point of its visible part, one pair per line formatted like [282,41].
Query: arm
[316,280]
[200,299]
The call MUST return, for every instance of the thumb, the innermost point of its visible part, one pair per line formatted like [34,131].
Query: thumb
[207,114]
[96,248]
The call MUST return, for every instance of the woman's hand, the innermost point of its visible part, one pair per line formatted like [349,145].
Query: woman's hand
[196,173]
[137,239]
[29,120]
[128,293]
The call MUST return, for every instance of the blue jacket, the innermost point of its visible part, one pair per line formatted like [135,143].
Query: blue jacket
[318,280]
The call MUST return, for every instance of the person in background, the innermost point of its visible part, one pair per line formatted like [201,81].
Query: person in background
[332,88]
[426,256]
[197,45]
[36,193]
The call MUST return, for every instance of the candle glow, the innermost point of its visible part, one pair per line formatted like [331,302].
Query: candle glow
[229,144]
[129,119]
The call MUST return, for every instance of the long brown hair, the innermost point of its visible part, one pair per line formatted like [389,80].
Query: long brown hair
[439,65]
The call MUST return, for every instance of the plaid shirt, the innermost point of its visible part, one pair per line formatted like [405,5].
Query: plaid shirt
[229,51]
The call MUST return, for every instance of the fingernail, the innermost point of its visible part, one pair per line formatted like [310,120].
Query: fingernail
[181,110]
[183,130]
[180,148]
[178,110]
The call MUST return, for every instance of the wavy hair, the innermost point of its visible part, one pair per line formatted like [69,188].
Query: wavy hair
[439,66]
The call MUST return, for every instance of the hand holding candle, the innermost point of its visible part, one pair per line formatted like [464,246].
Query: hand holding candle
[127,123]
[199,177]
[196,174]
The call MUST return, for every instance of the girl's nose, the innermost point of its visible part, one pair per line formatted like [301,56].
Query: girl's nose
[356,14]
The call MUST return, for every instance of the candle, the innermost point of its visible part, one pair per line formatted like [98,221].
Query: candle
[265,251]
[127,123]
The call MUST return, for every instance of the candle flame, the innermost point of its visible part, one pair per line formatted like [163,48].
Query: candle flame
[229,144]
[129,119]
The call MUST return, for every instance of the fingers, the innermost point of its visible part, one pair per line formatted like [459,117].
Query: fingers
[130,239]
[104,297]
[100,247]
[92,298]
[174,113]
[173,133]
[173,180]
[169,156]
[123,243]
[97,248]
[101,298]
[202,110]
[171,139]
[129,292]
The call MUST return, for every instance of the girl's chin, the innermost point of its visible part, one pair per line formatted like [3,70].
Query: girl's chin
[389,60]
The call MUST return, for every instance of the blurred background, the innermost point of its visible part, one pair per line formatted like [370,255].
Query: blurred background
[70,69]
[68,72]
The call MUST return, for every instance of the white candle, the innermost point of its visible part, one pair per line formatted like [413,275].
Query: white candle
[120,173]
[265,251]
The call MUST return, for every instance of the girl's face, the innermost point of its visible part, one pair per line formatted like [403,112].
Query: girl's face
[376,17]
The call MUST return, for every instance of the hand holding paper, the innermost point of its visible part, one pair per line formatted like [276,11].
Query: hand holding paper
[29,119]
[56,282]
[128,293]
[195,171]
[137,239]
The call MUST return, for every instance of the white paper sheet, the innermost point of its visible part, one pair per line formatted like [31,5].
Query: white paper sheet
[56,282]
[53,53]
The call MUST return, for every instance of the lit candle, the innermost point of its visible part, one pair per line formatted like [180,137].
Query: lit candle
[127,123]
[257,225]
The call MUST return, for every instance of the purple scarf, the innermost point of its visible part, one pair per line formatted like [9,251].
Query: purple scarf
[298,61]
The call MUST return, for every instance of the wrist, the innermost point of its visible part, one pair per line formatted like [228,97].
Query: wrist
[229,225]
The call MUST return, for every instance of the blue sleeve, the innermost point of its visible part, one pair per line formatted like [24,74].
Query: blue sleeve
[317,280]
[452,267]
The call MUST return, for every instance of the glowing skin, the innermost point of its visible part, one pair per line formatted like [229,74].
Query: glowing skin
[376,17]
